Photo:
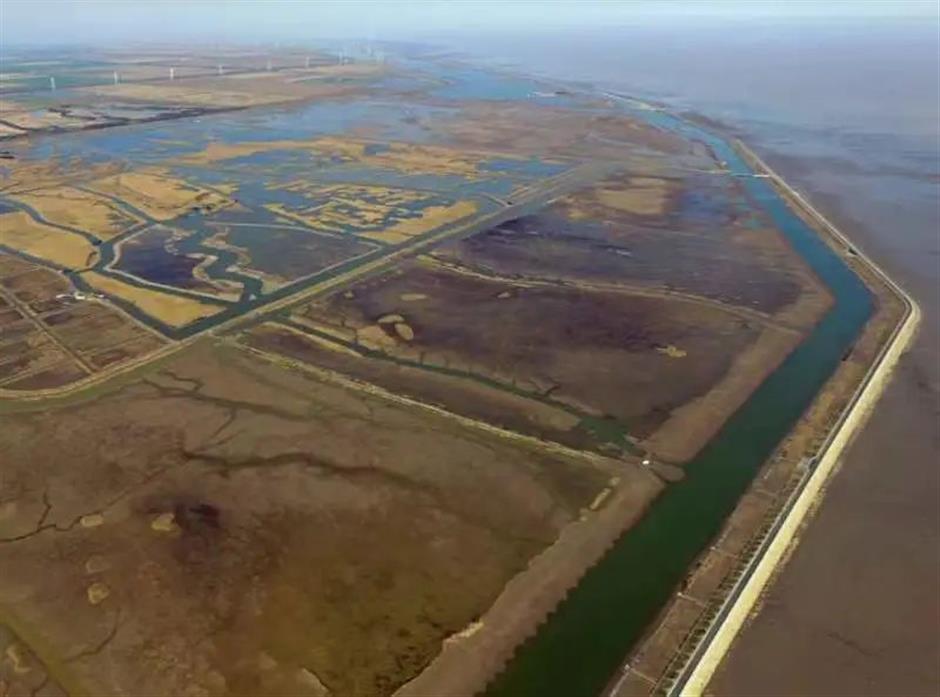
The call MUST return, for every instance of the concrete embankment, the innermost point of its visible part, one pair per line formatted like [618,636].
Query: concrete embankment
[745,595]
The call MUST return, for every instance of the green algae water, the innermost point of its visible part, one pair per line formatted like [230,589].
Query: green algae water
[585,640]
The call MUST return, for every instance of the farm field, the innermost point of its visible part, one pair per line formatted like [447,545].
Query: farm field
[50,338]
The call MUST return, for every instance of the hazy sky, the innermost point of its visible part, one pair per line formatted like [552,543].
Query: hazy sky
[79,21]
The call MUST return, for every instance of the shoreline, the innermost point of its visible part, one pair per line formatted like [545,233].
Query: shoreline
[700,647]
[852,419]
[834,243]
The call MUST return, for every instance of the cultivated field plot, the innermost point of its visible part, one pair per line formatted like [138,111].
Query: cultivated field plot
[50,336]
[270,533]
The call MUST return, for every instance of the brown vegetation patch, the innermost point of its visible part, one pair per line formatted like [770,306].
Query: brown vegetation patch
[9,315]
[596,352]
[36,287]
[134,348]
[173,310]
[62,373]
[539,130]
[79,209]
[159,194]
[578,241]
[477,401]
[67,249]
[26,352]
[639,196]
[319,535]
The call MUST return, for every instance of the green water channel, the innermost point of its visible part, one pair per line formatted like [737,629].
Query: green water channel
[586,639]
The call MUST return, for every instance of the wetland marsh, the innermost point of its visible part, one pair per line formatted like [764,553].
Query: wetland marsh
[446,337]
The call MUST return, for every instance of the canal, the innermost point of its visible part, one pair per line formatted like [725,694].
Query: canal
[585,640]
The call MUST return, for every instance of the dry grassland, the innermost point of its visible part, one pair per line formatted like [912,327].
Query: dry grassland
[7,131]
[157,194]
[431,217]
[79,209]
[248,529]
[642,196]
[20,232]
[171,310]
[28,175]
[29,119]
[180,94]
[407,158]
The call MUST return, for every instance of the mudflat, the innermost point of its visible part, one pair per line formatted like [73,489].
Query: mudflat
[873,545]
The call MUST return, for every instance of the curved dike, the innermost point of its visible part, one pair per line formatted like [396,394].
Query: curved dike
[583,643]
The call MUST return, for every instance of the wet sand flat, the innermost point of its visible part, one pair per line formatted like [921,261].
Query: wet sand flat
[855,609]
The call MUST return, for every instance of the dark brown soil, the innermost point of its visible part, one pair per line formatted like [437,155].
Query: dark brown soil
[130,349]
[9,315]
[701,251]
[18,330]
[93,328]
[13,349]
[56,376]
[36,286]
[544,131]
[599,352]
